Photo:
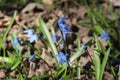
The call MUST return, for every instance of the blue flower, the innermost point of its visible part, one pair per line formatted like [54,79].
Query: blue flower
[30,34]
[56,38]
[31,58]
[16,44]
[34,38]
[63,58]
[64,27]
[61,44]
[84,47]
[105,36]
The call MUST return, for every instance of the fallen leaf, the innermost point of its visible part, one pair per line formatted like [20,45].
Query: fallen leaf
[32,6]
[2,74]
[115,3]
[32,69]
[78,12]
[4,20]
[42,69]
[48,2]
[48,59]
[108,76]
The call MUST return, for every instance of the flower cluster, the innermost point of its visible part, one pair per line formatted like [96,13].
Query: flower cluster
[64,27]
[63,58]
[31,35]
[32,38]
[64,30]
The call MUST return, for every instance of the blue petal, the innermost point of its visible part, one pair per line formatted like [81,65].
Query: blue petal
[61,61]
[61,44]
[105,36]
[17,51]
[29,32]
[61,54]
[31,58]
[67,63]
[63,58]
[84,47]
[66,54]
[64,27]
[34,38]
[56,38]
[66,30]
[64,36]
[16,44]
[61,20]
[56,55]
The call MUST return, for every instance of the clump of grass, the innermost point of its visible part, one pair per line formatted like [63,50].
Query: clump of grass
[13,60]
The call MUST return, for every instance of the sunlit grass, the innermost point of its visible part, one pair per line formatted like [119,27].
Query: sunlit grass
[101,59]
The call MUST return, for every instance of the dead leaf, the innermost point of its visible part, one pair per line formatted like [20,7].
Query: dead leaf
[108,76]
[48,59]
[104,43]
[83,31]
[78,12]
[32,69]
[4,20]
[31,6]
[115,3]
[48,2]
[83,61]
[13,74]
[42,69]
[2,74]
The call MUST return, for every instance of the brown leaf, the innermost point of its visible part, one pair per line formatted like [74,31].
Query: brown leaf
[31,70]
[78,12]
[42,69]
[48,59]
[104,43]
[31,7]
[4,20]
[108,76]
[2,74]
[115,2]
[48,2]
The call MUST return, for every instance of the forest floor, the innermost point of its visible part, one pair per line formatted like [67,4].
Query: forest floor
[82,17]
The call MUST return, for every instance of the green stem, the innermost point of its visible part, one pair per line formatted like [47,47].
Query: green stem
[104,63]
[78,70]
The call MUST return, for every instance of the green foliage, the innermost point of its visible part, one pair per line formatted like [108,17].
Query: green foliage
[102,55]
[11,2]
[45,31]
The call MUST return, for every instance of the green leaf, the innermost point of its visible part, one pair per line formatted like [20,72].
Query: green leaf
[49,38]
[6,59]
[9,27]
[104,62]
[96,59]
[16,63]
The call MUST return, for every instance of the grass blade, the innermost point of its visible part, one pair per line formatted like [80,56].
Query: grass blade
[104,63]
[8,28]
[48,36]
